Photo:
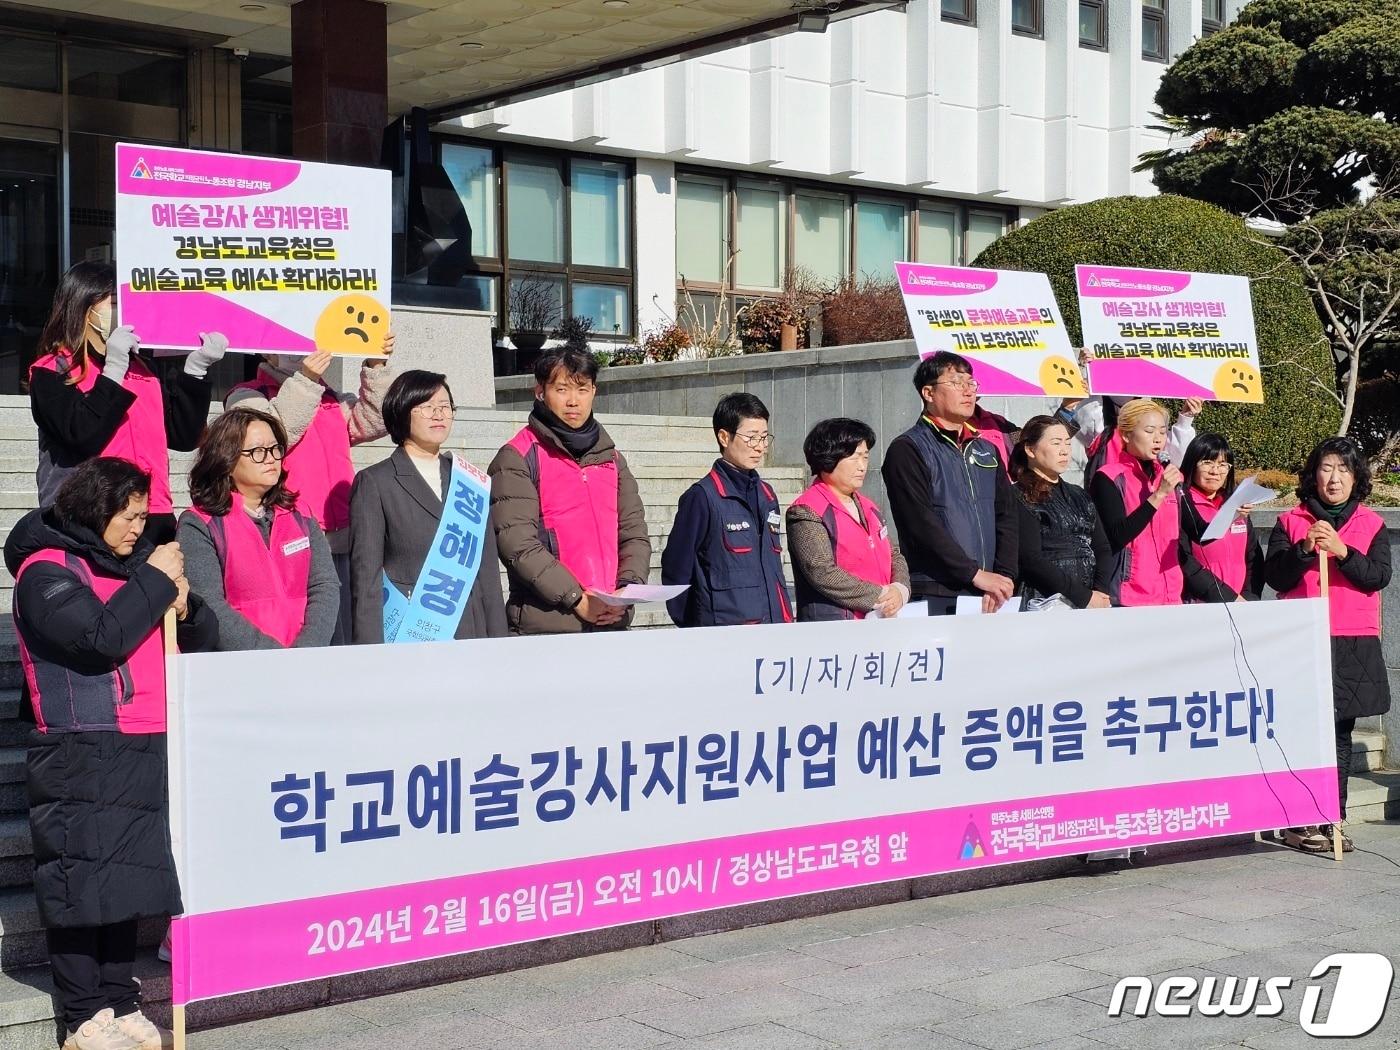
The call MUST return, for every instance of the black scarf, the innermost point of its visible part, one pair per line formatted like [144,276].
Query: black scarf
[576,442]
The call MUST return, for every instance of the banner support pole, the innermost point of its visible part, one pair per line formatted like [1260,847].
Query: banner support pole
[174,727]
[1323,587]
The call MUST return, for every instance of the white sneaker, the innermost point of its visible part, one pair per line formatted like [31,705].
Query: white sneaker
[143,1032]
[100,1032]
[163,952]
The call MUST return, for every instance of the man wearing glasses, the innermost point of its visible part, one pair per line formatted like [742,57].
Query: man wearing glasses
[726,542]
[950,496]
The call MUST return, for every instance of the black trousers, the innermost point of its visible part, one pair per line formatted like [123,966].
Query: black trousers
[1345,726]
[92,970]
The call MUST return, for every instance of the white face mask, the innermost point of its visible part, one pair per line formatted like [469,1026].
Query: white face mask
[100,320]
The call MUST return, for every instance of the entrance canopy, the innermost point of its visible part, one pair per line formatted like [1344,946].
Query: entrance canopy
[455,56]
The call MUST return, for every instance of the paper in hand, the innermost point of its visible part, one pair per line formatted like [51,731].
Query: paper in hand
[640,594]
[1248,492]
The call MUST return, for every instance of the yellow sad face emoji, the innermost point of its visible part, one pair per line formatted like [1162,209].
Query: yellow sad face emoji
[352,324]
[1058,376]
[1238,381]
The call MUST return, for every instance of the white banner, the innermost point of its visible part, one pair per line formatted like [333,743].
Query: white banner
[472,794]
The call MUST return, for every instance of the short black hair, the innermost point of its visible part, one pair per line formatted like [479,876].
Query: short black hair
[1350,454]
[733,409]
[931,368]
[1206,448]
[97,492]
[832,440]
[411,389]
[573,361]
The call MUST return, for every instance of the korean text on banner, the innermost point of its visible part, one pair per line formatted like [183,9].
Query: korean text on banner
[1005,322]
[434,609]
[279,255]
[1163,333]
[417,803]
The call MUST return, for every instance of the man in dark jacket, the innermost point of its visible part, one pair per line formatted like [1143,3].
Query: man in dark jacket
[726,542]
[570,524]
[950,497]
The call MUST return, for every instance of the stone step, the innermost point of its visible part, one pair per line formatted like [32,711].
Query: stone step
[16,852]
[1367,750]
[1373,796]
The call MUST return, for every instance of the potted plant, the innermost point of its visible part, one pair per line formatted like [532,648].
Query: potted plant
[574,332]
[534,310]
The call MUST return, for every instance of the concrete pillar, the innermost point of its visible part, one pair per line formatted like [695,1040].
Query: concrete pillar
[340,80]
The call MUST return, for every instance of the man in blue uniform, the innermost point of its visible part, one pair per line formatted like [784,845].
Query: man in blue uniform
[726,542]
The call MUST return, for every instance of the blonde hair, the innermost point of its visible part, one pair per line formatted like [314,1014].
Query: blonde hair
[1135,411]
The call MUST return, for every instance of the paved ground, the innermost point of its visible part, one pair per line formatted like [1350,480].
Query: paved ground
[1031,965]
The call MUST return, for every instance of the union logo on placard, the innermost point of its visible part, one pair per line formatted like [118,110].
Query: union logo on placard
[142,170]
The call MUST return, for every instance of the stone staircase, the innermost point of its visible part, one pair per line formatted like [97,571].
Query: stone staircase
[666,454]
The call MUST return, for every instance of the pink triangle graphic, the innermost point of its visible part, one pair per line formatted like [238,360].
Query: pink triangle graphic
[1134,377]
[175,319]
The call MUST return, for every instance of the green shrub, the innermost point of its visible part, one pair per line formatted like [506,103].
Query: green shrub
[1173,233]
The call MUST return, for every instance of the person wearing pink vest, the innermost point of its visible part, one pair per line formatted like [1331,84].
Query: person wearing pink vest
[91,591]
[261,564]
[1136,497]
[1228,569]
[843,562]
[568,518]
[1332,521]
[322,426]
[999,431]
[92,394]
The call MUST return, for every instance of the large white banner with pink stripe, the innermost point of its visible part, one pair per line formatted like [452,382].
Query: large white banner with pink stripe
[340,810]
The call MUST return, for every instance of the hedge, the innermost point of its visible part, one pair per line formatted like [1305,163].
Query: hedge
[1174,233]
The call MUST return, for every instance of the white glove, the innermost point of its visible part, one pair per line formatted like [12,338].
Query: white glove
[211,351]
[121,344]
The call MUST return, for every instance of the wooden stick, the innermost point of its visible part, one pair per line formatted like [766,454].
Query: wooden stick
[177,1024]
[1323,586]
[171,625]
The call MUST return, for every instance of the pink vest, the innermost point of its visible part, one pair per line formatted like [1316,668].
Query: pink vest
[864,551]
[264,582]
[1153,574]
[319,468]
[1224,558]
[987,425]
[578,506]
[130,699]
[140,438]
[1353,612]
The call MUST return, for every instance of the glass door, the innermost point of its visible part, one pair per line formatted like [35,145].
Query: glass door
[29,252]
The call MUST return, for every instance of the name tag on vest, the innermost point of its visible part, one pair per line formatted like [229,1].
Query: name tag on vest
[775,521]
[296,546]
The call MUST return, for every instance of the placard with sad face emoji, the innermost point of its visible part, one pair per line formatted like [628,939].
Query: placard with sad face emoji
[1238,381]
[353,324]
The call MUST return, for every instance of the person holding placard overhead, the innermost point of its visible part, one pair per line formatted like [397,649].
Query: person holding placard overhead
[1136,497]
[260,563]
[1332,543]
[568,517]
[1228,569]
[843,560]
[92,393]
[422,553]
[322,425]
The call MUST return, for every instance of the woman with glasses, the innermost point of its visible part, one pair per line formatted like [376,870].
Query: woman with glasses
[261,565]
[396,507]
[1230,568]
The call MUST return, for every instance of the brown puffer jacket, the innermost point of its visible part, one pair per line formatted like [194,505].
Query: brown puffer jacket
[543,592]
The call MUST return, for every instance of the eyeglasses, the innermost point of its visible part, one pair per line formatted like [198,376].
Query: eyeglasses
[757,442]
[960,384]
[262,452]
[437,411]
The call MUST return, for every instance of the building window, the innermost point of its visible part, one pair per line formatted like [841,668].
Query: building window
[1154,30]
[535,211]
[940,236]
[1212,17]
[821,240]
[762,236]
[598,213]
[473,174]
[881,239]
[1028,17]
[964,11]
[982,229]
[1093,24]
[702,230]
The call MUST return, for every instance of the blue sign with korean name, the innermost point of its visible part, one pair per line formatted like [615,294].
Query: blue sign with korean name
[431,613]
